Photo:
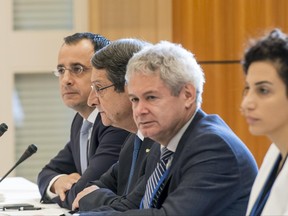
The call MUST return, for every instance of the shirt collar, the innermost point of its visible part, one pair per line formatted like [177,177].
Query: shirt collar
[172,145]
[140,135]
[91,118]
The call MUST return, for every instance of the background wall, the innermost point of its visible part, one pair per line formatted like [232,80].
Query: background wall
[27,52]
[218,30]
[35,52]
[212,29]
[145,19]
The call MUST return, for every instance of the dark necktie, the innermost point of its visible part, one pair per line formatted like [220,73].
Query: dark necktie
[265,192]
[84,133]
[137,144]
[155,183]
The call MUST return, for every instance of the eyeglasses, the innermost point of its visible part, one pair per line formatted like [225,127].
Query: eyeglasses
[98,90]
[74,69]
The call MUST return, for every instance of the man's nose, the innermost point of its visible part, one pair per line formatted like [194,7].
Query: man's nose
[93,100]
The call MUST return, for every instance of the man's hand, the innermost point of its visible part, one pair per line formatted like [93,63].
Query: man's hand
[81,194]
[63,184]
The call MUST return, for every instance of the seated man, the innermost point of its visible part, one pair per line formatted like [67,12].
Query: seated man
[204,168]
[109,68]
[74,166]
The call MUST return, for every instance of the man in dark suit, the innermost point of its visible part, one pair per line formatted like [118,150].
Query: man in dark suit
[109,68]
[114,182]
[204,168]
[68,172]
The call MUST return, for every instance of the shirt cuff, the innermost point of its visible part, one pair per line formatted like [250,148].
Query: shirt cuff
[49,194]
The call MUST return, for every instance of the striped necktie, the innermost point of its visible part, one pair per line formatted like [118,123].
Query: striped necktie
[137,144]
[84,133]
[155,183]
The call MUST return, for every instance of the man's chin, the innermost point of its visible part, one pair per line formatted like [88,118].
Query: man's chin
[105,120]
[147,133]
[70,105]
[70,101]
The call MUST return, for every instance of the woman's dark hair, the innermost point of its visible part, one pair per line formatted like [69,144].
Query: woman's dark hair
[272,48]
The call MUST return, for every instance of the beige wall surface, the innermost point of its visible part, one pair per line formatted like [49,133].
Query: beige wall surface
[26,52]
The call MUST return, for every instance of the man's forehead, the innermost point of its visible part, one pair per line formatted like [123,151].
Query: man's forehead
[99,75]
[144,89]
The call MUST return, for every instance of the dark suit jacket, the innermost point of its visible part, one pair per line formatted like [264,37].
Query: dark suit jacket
[211,174]
[105,146]
[113,183]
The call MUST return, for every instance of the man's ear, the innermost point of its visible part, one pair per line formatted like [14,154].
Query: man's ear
[189,94]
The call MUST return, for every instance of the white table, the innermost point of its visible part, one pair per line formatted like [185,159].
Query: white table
[15,190]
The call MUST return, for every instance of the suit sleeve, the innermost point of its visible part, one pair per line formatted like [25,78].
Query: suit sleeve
[106,196]
[111,183]
[62,163]
[118,204]
[108,142]
[107,190]
[52,169]
[108,179]
[106,155]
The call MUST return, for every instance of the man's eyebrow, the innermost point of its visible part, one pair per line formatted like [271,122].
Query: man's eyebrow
[150,92]
[145,93]
[131,95]
[72,64]
[95,81]
[78,63]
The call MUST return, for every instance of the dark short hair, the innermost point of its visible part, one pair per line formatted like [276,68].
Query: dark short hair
[273,48]
[114,59]
[97,40]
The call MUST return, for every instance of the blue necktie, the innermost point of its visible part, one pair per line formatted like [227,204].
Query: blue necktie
[155,183]
[137,144]
[265,192]
[84,133]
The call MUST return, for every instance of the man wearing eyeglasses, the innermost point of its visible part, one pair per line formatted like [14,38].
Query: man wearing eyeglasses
[110,96]
[84,158]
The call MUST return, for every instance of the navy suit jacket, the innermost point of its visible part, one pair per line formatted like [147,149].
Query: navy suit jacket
[113,183]
[105,145]
[212,173]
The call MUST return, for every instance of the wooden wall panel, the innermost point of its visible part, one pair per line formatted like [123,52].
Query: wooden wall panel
[219,30]
[145,19]
[211,29]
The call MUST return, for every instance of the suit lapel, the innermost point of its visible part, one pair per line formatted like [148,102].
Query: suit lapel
[278,199]
[93,136]
[183,142]
[265,169]
[173,168]
[145,147]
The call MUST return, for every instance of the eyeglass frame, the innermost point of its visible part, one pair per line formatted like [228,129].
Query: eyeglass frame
[98,90]
[72,70]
